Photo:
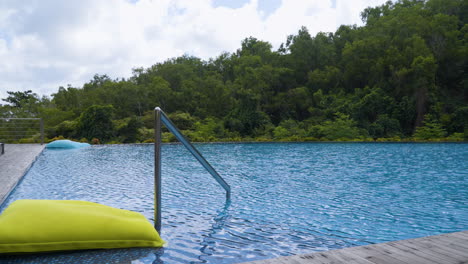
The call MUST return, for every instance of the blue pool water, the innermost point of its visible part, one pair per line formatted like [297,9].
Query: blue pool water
[288,198]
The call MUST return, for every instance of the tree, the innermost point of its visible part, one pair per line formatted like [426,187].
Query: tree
[254,47]
[96,122]
[20,99]
[374,103]
[127,129]
[460,120]
[384,127]
[431,129]
[69,99]
[300,57]
[424,69]
[328,79]
[23,104]
[407,61]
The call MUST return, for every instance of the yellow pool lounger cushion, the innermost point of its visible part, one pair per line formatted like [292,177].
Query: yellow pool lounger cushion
[53,225]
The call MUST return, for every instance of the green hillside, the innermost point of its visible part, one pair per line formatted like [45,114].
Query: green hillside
[401,76]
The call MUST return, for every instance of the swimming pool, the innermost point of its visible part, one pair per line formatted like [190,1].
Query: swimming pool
[287,198]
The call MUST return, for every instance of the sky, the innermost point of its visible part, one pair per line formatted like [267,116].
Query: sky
[45,44]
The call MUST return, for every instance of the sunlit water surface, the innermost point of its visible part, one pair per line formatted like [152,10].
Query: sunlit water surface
[287,198]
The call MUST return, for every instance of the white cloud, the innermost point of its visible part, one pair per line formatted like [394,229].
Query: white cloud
[51,43]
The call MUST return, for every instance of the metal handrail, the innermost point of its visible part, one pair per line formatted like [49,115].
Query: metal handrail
[13,133]
[161,118]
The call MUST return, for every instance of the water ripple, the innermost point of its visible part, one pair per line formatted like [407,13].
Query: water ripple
[287,198]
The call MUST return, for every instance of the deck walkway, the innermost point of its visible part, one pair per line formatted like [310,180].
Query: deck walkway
[14,163]
[445,248]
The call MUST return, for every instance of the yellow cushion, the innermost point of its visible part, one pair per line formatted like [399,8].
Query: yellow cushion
[51,225]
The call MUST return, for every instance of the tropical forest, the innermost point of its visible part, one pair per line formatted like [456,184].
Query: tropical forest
[401,76]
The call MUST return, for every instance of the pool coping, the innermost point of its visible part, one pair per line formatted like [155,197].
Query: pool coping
[14,164]
[444,249]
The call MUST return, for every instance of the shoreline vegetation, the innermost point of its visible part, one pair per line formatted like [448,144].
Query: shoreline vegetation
[167,137]
[402,77]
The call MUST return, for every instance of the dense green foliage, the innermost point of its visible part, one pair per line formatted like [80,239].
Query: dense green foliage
[403,75]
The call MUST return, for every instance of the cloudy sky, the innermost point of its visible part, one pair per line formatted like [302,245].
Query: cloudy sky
[45,44]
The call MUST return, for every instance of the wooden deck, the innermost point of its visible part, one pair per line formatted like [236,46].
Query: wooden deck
[14,163]
[442,249]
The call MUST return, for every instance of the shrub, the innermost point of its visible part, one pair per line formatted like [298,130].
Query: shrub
[54,138]
[26,140]
[431,129]
[67,129]
[209,129]
[342,128]
[262,139]
[289,129]
[168,137]
[307,139]
[183,121]
[145,134]
[384,127]
[280,132]
[456,137]
[128,129]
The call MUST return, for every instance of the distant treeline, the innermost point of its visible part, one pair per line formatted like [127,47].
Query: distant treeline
[401,76]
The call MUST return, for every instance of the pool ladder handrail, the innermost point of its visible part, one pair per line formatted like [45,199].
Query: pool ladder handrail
[161,118]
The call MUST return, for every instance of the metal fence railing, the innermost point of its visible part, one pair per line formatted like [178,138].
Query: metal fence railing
[22,130]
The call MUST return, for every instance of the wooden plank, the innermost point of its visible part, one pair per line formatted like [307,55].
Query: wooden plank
[449,241]
[446,242]
[298,261]
[283,260]
[452,237]
[319,258]
[348,257]
[440,249]
[422,252]
[437,249]
[370,254]
[401,255]
[461,235]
